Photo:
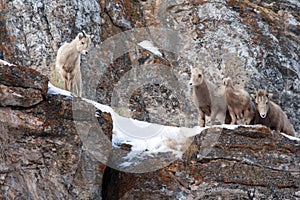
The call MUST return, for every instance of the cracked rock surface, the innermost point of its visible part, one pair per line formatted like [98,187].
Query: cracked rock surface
[42,153]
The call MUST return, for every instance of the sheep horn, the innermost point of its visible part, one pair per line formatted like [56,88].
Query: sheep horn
[84,34]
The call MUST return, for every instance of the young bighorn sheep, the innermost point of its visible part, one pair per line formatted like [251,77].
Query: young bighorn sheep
[238,103]
[208,100]
[270,114]
[68,61]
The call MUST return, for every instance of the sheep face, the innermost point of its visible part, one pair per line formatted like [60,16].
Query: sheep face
[262,102]
[227,82]
[83,42]
[196,77]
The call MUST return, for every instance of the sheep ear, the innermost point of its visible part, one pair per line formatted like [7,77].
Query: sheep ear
[270,95]
[80,35]
[227,81]
[224,81]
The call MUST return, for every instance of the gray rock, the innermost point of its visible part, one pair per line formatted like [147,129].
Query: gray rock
[17,96]
[20,76]
[42,155]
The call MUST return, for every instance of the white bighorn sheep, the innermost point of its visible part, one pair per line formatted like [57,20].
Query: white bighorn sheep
[68,61]
[208,100]
[270,114]
[239,103]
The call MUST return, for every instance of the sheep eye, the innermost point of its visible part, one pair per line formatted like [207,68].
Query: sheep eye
[82,42]
[199,75]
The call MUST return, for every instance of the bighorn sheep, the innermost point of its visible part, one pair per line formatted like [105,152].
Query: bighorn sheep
[239,103]
[68,61]
[270,114]
[208,100]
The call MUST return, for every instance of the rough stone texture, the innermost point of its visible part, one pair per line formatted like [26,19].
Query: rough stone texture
[21,86]
[58,149]
[20,76]
[17,96]
[43,153]
[247,163]
[44,156]
[254,42]
[37,29]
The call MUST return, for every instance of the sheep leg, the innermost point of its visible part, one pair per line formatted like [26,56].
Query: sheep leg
[65,79]
[247,118]
[232,115]
[222,117]
[213,118]
[70,85]
[201,118]
[78,83]
[66,84]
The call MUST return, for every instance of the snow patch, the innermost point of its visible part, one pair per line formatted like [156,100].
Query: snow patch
[6,63]
[148,45]
[143,142]
[55,90]
[17,95]
[291,137]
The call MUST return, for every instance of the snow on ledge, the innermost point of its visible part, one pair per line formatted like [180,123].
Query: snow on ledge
[291,137]
[168,138]
[148,45]
[6,63]
[55,90]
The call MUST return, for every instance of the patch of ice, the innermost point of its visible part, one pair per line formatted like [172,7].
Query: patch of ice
[17,95]
[291,137]
[125,164]
[6,63]
[55,90]
[148,45]
[167,138]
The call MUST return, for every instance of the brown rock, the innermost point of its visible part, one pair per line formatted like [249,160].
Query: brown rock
[17,96]
[47,153]
[25,77]
[242,163]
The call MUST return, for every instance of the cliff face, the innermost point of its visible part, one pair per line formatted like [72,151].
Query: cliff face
[256,43]
[41,152]
[52,149]
[141,55]
[247,163]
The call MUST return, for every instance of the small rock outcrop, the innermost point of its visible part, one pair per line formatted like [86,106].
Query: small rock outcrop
[21,86]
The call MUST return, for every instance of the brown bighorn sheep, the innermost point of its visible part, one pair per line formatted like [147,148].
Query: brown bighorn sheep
[68,61]
[270,114]
[238,103]
[208,100]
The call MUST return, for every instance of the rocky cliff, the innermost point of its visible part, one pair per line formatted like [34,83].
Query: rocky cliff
[51,149]
[256,43]
[139,64]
